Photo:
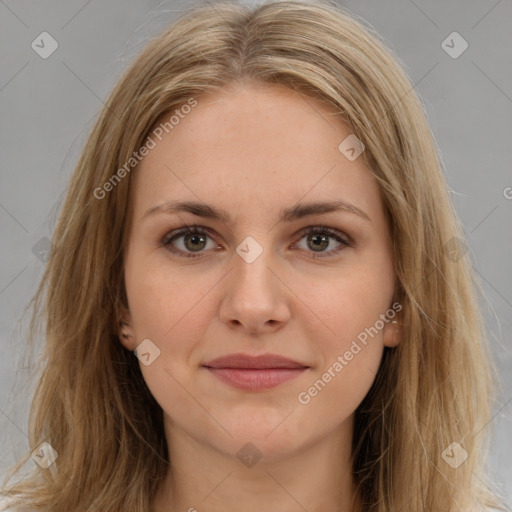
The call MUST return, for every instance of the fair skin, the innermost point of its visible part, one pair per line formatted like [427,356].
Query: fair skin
[252,151]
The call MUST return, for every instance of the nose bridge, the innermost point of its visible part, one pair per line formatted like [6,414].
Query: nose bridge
[252,260]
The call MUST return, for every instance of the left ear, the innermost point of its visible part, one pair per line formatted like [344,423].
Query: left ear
[392,333]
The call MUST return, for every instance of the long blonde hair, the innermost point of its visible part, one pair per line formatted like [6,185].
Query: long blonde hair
[91,403]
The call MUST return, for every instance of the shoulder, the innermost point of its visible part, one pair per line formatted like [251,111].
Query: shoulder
[6,505]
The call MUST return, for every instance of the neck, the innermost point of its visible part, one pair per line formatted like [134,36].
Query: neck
[203,479]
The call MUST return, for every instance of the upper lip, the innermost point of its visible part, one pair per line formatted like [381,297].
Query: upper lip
[254,362]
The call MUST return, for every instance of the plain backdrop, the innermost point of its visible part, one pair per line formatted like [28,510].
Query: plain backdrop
[48,105]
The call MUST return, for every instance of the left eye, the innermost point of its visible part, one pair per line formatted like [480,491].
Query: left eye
[195,239]
[319,236]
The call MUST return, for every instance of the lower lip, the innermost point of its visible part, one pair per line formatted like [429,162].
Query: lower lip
[254,379]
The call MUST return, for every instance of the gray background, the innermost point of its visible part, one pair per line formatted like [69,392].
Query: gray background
[49,105]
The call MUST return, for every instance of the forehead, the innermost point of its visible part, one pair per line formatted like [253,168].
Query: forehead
[264,144]
[258,123]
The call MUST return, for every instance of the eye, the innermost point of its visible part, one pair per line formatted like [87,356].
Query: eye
[318,238]
[195,239]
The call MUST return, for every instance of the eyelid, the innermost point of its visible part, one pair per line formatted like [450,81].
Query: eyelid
[186,229]
[330,231]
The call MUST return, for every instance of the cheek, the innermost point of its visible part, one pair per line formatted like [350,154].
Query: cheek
[352,307]
[168,310]
[352,302]
[351,350]
[333,395]
[174,312]
[161,301]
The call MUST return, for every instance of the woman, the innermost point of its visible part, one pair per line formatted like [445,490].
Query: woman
[257,296]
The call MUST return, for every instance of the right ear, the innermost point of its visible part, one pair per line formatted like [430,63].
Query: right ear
[125,330]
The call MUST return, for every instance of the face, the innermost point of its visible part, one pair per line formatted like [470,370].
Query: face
[253,282]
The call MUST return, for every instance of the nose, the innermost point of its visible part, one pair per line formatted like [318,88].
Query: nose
[255,298]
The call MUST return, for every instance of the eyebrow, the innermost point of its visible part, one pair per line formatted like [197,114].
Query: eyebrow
[292,213]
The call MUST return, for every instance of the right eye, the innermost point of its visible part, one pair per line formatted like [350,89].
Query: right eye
[194,239]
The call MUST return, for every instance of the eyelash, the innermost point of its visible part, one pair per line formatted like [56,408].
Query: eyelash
[316,230]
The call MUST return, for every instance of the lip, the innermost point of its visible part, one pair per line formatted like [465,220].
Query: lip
[254,380]
[261,362]
[255,373]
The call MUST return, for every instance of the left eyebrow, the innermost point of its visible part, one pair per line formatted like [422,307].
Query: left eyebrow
[289,214]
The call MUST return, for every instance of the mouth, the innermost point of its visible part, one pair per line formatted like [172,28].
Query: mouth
[255,373]
[254,379]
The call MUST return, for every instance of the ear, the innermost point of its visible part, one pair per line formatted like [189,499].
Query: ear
[392,333]
[125,330]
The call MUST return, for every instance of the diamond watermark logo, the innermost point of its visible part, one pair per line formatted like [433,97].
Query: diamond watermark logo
[147,352]
[454,45]
[351,147]
[44,455]
[455,249]
[249,249]
[249,455]
[44,45]
[454,455]
[41,250]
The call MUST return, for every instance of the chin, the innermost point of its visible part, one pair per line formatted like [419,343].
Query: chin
[271,439]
